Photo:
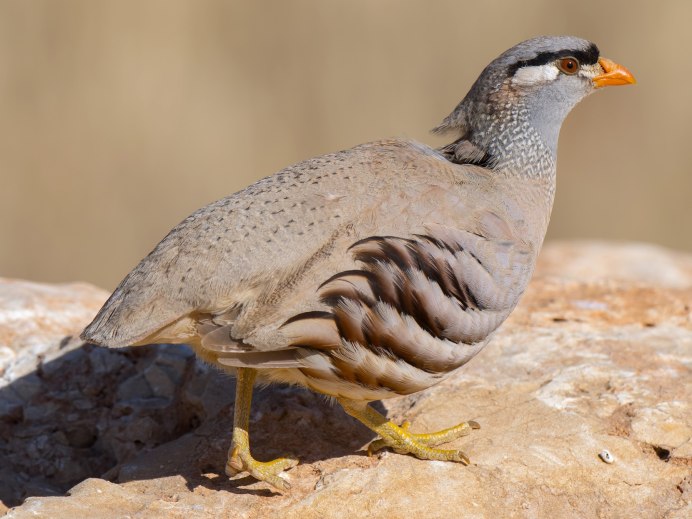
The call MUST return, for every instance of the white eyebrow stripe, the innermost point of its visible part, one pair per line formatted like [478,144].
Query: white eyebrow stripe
[525,76]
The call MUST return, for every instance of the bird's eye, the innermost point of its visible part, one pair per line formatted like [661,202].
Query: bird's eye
[568,65]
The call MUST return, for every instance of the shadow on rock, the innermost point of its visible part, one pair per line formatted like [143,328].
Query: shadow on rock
[285,421]
[145,413]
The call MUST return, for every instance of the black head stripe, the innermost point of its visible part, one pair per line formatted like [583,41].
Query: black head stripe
[585,57]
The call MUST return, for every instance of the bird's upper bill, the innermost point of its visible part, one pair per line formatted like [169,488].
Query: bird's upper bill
[613,74]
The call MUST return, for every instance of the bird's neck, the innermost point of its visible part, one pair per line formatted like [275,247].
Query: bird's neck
[515,146]
[525,154]
[518,146]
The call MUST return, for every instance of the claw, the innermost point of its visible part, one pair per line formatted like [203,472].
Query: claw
[375,446]
[234,464]
[269,471]
[461,458]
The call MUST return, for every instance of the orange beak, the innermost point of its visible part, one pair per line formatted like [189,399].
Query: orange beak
[613,74]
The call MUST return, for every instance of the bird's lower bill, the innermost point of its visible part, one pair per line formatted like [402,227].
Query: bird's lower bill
[613,74]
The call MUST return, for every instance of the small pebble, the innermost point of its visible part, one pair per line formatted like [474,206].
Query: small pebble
[606,456]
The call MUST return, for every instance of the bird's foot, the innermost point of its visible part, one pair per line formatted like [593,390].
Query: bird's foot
[240,460]
[423,445]
[401,440]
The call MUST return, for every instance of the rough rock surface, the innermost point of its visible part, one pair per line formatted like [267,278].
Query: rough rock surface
[68,410]
[598,356]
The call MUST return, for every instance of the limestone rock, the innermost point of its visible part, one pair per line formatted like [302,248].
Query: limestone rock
[598,356]
[70,411]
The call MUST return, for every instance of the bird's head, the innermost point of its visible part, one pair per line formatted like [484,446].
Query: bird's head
[535,83]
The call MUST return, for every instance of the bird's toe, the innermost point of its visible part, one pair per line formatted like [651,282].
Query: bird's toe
[267,471]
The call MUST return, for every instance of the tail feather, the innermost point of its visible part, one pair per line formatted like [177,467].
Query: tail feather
[129,317]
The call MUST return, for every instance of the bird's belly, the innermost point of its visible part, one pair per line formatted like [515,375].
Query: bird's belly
[360,373]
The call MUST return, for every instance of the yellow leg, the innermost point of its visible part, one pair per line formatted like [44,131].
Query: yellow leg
[239,458]
[402,441]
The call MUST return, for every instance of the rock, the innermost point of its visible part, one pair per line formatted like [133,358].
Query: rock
[134,388]
[160,382]
[34,316]
[597,357]
[70,411]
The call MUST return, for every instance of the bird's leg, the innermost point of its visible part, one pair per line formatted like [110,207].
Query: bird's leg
[404,442]
[239,458]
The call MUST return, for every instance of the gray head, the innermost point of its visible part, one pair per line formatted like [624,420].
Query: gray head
[534,84]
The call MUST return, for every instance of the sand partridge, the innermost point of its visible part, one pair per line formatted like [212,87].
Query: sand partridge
[375,271]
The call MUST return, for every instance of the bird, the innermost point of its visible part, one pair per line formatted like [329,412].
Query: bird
[375,271]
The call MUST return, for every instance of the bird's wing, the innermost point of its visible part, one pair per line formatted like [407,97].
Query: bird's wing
[414,297]
[231,252]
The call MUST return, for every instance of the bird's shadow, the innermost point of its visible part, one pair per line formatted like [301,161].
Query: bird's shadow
[285,421]
[137,414]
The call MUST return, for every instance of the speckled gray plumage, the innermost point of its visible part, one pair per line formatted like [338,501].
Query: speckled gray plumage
[372,271]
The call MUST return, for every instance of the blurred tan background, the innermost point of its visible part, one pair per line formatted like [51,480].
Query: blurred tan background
[118,119]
